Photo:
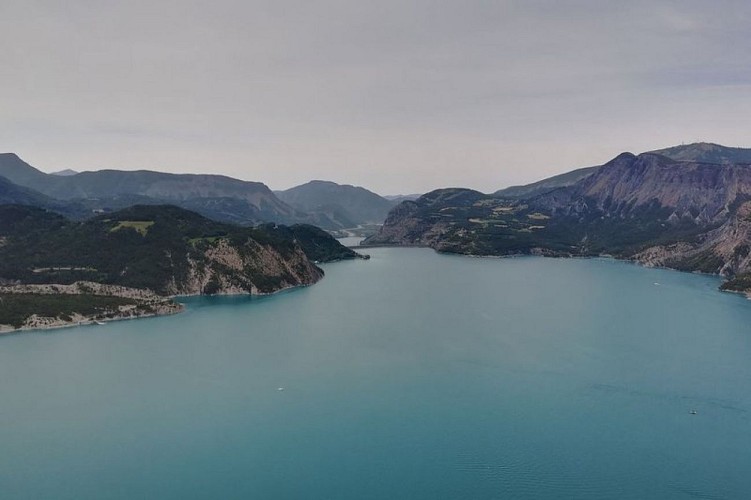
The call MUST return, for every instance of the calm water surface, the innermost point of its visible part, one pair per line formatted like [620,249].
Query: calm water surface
[412,375]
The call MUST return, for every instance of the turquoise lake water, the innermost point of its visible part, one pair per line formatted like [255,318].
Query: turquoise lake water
[412,375]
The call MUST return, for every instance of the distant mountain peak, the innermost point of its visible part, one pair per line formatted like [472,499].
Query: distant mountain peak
[18,171]
[65,173]
[320,182]
[342,205]
[216,196]
[706,152]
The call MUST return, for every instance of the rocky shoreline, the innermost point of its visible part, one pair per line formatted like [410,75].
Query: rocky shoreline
[46,323]
[148,303]
[137,303]
[640,259]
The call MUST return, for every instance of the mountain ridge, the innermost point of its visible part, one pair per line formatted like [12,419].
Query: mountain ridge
[699,152]
[326,204]
[346,205]
[687,215]
[706,152]
[252,202]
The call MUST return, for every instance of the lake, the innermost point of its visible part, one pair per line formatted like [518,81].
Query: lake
[412,375]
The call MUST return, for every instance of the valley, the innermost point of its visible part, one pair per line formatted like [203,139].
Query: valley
[686,208]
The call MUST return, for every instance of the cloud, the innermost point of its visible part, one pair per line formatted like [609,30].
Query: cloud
[399,96]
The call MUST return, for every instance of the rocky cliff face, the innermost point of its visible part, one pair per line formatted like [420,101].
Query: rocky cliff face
[724,250]
[698,190]
[251,269]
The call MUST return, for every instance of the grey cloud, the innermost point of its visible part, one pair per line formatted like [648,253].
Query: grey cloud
[398,96]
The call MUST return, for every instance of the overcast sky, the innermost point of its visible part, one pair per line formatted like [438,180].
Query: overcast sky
[397,96]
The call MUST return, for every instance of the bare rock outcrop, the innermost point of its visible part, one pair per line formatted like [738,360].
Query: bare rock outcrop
[252,268]
[724,250]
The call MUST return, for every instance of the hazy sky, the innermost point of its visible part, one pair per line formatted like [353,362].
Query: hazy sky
[398,96]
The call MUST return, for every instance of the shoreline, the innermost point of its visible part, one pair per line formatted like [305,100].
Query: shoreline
[244,294]
[137,303]
[87,321]
[746,293]
[170,305]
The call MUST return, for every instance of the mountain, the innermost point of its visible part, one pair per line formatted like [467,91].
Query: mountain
[215,196]
[706,152]
[325,204]
[330,217]
[65,172]
[19,172]
[398,198]
[545,185]
[423,222]
[13,194]
[701,152]
[318,245]
[628,183]
[343,205]
[165,249]
[688,215]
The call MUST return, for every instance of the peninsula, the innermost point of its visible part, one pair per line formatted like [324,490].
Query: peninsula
[58,272]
